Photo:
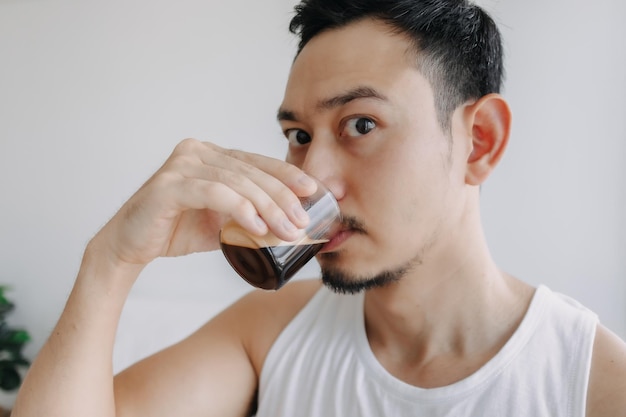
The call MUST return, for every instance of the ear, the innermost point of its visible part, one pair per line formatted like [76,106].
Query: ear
[489,121]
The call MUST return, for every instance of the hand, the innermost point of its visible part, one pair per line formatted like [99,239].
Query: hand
[182,207]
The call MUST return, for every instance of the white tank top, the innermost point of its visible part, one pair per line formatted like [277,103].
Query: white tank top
[322,365]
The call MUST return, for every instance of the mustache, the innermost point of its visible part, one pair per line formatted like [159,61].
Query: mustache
[352,223]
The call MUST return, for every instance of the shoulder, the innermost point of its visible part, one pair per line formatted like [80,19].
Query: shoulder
[261,316]
[607,380]
[214,370]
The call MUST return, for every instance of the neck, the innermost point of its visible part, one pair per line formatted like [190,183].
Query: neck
[449,315]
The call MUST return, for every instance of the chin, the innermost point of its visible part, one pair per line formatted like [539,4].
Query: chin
[342,281]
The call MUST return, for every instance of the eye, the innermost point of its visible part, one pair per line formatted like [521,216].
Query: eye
[359,126]
[297,137]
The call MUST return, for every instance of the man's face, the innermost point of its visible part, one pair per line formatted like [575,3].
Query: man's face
[359,116]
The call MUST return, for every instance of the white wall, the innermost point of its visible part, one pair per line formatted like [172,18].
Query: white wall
[94,95]
[555,209]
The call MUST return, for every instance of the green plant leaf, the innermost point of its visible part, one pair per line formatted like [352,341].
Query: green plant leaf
[10,379]
[11,343]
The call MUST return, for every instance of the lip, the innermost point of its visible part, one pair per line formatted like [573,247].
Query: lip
[336,240]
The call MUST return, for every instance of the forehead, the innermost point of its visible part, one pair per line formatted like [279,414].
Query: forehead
[364,53]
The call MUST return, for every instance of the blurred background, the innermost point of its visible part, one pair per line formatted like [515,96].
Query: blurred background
[94,95]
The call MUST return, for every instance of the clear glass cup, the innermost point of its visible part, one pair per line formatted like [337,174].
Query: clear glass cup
[268,262]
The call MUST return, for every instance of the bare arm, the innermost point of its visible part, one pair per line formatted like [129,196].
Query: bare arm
[232,346]
[178,211]
[74,368]
[607,382]
[207,374]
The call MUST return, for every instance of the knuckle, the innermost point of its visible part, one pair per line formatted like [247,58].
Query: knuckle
[182,160]
[233,153]
[211,188]
[186,145]
[286,196]
[270,210]
[228,152]
[265,205]
[243,206]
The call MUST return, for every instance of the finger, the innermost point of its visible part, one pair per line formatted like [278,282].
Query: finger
[277,204]
[201,194]
[290,175]
[236,195]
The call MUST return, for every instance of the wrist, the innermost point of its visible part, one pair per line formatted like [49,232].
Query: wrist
[102,266]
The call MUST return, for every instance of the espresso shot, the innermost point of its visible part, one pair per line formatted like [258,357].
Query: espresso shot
[268,262]
[270,267]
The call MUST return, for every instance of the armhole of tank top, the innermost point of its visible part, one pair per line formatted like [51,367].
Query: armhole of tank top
[288,332]
[580,372]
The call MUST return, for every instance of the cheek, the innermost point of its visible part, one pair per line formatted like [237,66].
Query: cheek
[407,195]
[383,198]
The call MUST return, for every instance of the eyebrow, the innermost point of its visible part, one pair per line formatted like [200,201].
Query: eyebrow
[336,101]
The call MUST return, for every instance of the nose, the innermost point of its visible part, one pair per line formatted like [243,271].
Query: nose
[323,161]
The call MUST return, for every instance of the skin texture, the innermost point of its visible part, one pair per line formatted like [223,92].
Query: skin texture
[408,168]
[413,189]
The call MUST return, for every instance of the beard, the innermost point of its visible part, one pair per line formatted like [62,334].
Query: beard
[342,282]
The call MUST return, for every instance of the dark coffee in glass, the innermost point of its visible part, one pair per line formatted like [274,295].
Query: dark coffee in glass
[268,262]
[270,267]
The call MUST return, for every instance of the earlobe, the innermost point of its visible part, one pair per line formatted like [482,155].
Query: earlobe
[489,121]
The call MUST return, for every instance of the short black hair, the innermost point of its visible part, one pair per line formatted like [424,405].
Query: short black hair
[457,44]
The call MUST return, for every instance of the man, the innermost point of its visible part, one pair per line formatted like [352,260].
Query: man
[394,105]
